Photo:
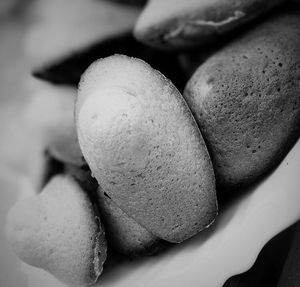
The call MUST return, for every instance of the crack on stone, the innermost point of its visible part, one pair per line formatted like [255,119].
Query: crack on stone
[184,26]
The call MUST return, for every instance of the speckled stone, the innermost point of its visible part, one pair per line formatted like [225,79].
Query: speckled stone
[177,24]
[60,232]
[246,101]
[143,146]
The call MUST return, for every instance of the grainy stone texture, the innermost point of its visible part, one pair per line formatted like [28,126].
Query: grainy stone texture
[143,146]
[59,231]
[124,234]
[180,24]
[246,100]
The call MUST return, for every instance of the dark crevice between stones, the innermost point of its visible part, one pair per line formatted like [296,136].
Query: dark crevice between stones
[68,71]
[139,3]
[105,194]
[52,167]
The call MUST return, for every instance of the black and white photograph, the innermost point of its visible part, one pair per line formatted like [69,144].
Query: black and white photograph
[149,143]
